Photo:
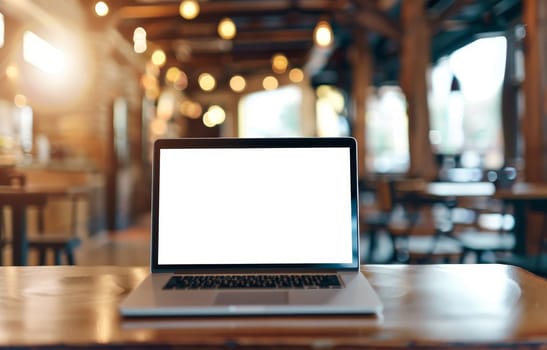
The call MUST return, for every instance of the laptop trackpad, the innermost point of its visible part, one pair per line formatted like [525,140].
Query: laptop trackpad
[252,298]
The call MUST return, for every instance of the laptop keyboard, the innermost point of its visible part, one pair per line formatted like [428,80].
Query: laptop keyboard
[304,281]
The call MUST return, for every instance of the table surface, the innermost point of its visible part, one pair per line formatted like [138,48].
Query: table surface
[429,305]
[524,191]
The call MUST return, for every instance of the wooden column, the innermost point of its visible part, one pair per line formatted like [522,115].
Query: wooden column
[361,80]
[509,105]
[534,121]
[415,61]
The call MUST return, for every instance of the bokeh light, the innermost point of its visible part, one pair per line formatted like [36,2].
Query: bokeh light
[227,29]
[270,83]
[158,58]
[206,82]
[189,9]
[238,83]
[101,8]
[296,75]
[279,63]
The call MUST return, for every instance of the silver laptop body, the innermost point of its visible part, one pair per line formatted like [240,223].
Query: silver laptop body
[234,210]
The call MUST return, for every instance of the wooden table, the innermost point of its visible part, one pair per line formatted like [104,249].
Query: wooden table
[433,306]
[18,199]
[524,197]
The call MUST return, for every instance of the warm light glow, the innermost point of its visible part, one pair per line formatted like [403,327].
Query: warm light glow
[173,73]
[152,93]
[182,82]
[12,72]
[149,81]
[207,120]
[101,8]
[237,83]
[151,86]
[166,105]
[151,69]
[140,47]
[139,40]
[189,9]
[139,34]
[215,115]
[190,109]
[158,58]
[279,63]
[322,34]
[2,31]
[227,29]
[158,126]
[270,83]
[42,54]
[20,100]
[296,75]
[177,78]
[206,82]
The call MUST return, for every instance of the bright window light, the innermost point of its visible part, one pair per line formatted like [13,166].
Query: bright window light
[272,113]
[2,30]
[42,54]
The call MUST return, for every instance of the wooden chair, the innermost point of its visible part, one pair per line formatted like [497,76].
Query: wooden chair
[58,243]
[534,263]
[419,228]
[482,239]
[377,219]
[43,242]
[8,177]
[4,241]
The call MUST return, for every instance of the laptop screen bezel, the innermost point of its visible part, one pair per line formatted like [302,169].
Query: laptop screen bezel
[302,142]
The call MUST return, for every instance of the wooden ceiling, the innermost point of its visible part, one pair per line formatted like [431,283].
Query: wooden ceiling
[267,27]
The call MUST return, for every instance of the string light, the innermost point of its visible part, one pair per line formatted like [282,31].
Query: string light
[101,8]
[270,83]
[237,83]
[322,34]
[189,9]
[206,82]
[139,40]
[296,75]
[279,63]
[158,58]
[227,29]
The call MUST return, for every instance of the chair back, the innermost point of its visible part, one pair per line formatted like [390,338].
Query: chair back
[11,177]
[384,195]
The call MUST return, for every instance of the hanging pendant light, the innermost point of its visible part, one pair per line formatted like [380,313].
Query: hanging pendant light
[189,9]
[227,29]
[322,34]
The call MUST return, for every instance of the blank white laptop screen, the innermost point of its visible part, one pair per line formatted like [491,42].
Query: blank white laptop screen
[254,206]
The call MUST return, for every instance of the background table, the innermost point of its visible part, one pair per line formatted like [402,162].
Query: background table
[18,199]
[524,197]
[449,306]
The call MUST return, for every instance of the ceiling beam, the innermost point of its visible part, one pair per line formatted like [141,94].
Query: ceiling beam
[371,17]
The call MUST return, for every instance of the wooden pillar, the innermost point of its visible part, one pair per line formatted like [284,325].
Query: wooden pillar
[361,81]
[415,62]
[534,121]
[509,106]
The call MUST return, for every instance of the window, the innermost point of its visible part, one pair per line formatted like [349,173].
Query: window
[387,131]
[271,113]
[331,112]
[466,116]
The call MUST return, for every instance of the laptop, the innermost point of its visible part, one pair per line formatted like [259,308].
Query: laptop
[244,226]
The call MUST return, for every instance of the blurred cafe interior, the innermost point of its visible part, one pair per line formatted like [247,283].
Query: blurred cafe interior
[446,98]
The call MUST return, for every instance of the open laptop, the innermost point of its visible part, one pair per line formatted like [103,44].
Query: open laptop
[254,227]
